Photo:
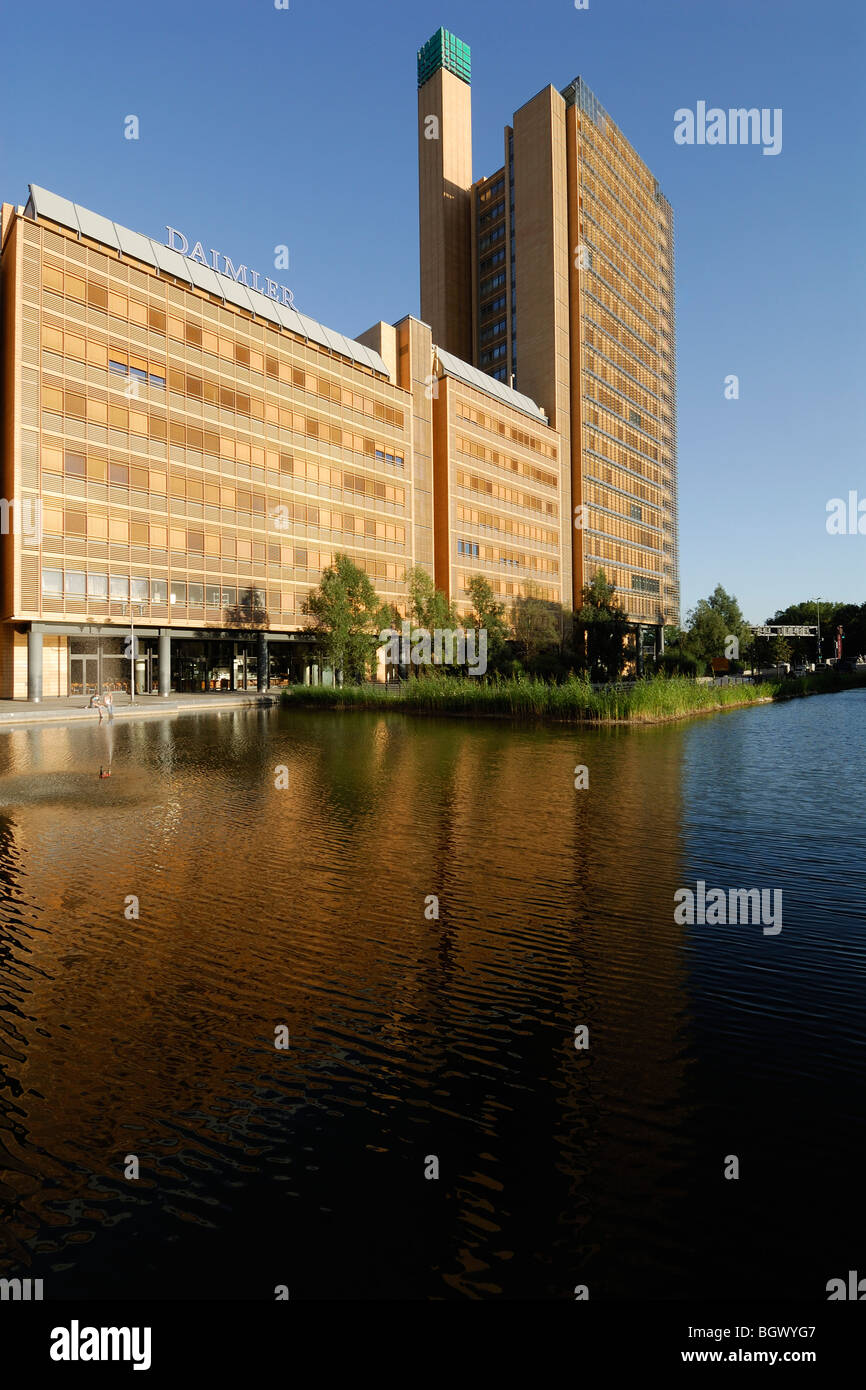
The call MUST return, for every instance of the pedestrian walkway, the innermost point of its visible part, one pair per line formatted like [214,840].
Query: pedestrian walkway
[76,707]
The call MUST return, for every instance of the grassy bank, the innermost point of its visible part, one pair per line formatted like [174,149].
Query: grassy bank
[646,701]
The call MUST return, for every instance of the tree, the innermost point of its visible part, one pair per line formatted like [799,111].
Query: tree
[348,616]
[780,650]
[488,615]
[535,622]
[603,619]
[711,623]
[428,606]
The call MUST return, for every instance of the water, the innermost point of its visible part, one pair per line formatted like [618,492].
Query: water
[412,1037]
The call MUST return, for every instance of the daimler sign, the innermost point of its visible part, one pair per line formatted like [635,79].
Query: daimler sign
[241,276]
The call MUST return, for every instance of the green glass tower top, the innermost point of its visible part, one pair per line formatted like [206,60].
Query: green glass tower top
[444,51]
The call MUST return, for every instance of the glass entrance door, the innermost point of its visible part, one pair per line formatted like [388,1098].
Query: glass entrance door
[83,675]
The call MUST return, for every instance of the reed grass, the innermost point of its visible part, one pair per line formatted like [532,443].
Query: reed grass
[650,700]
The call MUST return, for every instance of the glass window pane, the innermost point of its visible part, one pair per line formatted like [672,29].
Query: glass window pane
[97,585]
[139,590]
[52,581]
[159,591]
[74,582]
[119,586]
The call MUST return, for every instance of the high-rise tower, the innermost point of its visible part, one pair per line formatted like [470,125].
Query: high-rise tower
[572,303]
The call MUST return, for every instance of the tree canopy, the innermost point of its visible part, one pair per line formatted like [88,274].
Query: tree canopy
[348,615]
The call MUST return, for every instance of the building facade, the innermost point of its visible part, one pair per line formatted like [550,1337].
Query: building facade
[184,454]
[571,301]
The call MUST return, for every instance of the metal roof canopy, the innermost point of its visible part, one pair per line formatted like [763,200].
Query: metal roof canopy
[474,377]
[80,220]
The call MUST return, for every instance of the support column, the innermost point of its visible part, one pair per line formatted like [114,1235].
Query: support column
[34,666]
[164,661]
[262,673]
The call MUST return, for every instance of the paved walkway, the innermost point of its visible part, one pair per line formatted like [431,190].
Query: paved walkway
[61,711]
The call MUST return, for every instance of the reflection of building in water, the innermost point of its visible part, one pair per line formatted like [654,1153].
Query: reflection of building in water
[306,906]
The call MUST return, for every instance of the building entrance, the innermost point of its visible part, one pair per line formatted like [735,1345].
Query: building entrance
[83,675]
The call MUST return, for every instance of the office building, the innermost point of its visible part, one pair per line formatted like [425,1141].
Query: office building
[557,270]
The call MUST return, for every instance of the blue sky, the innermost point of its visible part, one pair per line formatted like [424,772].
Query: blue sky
[261,127]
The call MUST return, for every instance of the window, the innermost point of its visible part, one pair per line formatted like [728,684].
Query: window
[196,596]
[97,586]
[212,596]
[643,585]
[229,598]
[119,586]
[52,581]
[634,417]
[637,511]
[178,594]
[139,590]
[118,473]
[158,591]
[74,583]
[74,465]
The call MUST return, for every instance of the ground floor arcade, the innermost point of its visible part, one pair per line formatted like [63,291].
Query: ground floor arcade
[43,661]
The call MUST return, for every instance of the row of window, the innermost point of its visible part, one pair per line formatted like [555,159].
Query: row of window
[600,444]
[186,487]
[496,426]
[598,474]
[494,354]
[489,488]
[216,494]
[491,239]
[610,425]
[494,306]
[594,191]
[492,214]
[72,521]
[102,588]
[499,460]
[607,342]
[511,589]
[607,234]
[105,588]
[508,525]
[77,406]
[137,374]
[226,348]
[491,190]
[493,330]
[494,283]
[634,323]
[490,261]
[493,554]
